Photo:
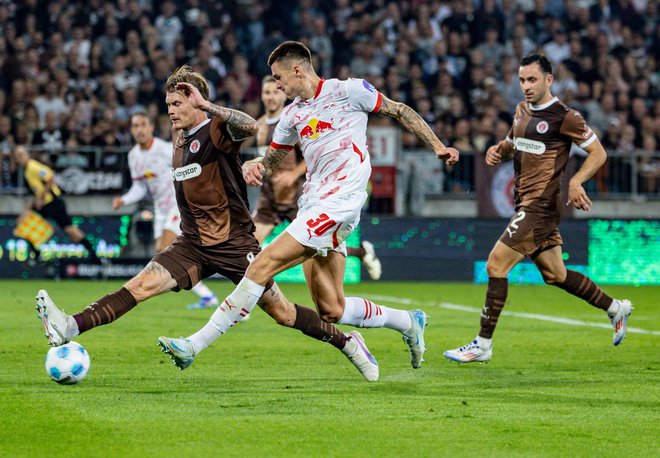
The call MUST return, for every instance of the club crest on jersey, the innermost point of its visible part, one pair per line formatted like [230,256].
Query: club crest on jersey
[314,128]
[542,127]
[194,146]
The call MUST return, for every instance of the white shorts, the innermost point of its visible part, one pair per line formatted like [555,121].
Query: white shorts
[325,225]
[170,221]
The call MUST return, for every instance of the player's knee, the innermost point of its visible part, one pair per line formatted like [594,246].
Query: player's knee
[330,315]
[550,278]
[283,315]
[143,287]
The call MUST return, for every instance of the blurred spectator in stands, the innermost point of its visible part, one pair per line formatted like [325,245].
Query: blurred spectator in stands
[491,48]
[169,26]
[128,107]
[109,45]
[70,157]
[321,45]
[51,137]
[7,165]
[50,101]
[122,77]
[564,82]
[649,165]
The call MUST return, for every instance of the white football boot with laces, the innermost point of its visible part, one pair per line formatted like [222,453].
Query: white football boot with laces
[53,319]
[358,354]
[619,319]
[470,353]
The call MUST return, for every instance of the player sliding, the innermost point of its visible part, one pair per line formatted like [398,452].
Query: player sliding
[539,143]
[150,163]
[329,119]
[216,233]
[280,192]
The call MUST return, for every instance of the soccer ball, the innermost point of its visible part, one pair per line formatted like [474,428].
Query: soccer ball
[67,364]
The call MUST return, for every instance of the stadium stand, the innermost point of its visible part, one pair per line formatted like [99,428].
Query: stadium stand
[73,71]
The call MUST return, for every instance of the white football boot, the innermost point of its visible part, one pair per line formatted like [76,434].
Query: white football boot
[470,353]
[414,337]
[53,319]
[180,350]
[619,319]
[371,261]
[358,354]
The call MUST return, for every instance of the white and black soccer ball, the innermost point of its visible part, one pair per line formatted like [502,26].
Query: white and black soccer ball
[67,364]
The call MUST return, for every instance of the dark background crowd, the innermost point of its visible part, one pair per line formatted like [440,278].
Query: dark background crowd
[74,71]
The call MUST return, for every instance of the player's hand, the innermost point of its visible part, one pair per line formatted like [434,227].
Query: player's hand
[493,155]
[253,172]
[194,96]
[577,196]
[449,155]
[117,203]
[38,203]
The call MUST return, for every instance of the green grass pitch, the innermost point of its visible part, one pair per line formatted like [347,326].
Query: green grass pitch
[552,389]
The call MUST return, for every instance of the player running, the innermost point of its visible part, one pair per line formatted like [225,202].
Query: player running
[150,163]
[539,143]
[216,235]
[329,119]
[280,192]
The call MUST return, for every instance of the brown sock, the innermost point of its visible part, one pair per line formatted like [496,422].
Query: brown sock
[105,310]
[358,252]
[309,323]
[495,300]
[582,287]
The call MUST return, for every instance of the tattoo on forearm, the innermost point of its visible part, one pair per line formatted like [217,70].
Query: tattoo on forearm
[240,125]
[273,159]
[411,120]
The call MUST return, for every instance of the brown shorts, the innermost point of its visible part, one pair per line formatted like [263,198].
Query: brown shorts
[270,212]
[532,233]
[189,263]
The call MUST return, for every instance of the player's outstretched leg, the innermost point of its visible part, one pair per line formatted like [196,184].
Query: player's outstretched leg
[619,312]
[411,324]
[180,350]
[54,320]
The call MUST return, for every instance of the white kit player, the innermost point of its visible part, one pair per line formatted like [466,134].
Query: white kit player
[329,119]
[150,163]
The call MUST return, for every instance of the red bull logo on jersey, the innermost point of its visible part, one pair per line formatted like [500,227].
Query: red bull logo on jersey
[314,128]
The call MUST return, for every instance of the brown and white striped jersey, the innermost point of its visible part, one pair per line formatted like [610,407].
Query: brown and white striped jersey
[542,136]
[210,190]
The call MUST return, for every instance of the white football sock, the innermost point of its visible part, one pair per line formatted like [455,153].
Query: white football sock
[71,327]
[613,308]
[484,342]
[202,290]
[365,314]
[238,304]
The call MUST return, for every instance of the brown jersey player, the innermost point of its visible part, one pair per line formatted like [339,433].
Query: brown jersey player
[539,143]
[216,234]
[278,200]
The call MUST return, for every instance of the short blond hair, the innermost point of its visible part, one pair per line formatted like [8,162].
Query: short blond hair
[185,74]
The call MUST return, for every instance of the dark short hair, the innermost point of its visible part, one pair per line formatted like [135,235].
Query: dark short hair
[290,50]
[544,63]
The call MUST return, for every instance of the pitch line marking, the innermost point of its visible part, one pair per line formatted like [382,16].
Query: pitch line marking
[532,316]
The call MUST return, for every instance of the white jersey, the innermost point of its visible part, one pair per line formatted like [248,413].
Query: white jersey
[332,130]
[151,172]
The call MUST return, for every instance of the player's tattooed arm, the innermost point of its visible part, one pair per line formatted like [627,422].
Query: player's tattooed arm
[263,167]
[239,125]
[414,123]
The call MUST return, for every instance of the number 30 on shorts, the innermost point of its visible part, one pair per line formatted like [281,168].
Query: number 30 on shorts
[321,225]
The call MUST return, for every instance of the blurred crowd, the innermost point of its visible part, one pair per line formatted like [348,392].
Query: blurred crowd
[74,71]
